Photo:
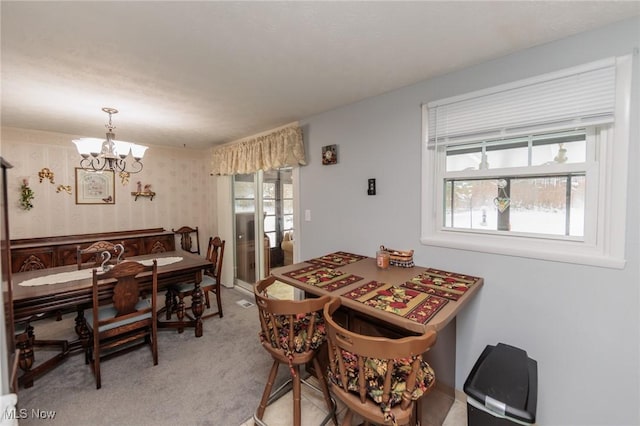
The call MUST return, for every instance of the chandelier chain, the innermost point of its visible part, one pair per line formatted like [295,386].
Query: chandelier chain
[110,111]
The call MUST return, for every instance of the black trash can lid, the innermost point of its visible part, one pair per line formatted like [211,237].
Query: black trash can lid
[504,380]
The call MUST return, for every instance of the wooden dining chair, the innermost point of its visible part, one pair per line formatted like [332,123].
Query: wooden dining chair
[91,256]
[127,322]
[292,332]
[378,378]
[186,234]
[96,255]
[211,283]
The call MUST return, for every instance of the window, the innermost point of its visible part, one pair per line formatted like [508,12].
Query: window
[542,193]
[278,204]
[535,168]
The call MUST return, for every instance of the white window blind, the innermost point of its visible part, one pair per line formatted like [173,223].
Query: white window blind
[574,97]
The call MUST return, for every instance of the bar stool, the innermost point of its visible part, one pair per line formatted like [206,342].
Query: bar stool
[378,378]
[291,332]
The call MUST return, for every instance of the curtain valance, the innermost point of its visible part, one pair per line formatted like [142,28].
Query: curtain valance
[280,148]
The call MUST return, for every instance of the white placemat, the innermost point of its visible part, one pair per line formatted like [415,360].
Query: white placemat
[63,277]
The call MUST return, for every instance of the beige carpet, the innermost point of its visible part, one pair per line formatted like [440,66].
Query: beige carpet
[213,380]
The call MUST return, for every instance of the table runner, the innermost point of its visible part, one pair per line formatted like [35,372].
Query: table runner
[339,258]
[321,276]
[63,277]
[441,283]
[413,305]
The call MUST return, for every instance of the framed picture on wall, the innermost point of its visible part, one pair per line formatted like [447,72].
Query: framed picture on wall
[329,154]
[95,187]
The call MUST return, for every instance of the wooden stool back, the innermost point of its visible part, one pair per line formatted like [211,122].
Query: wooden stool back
[378,378]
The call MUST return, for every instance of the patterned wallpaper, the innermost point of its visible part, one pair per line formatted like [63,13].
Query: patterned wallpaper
[185,192]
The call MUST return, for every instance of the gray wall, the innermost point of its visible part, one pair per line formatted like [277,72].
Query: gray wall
[580,323]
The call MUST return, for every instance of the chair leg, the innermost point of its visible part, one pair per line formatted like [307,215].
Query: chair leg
[207,302]
[325,389]
[96,362]
[417,411]
[347,418]
[154,342]
[296,396]
[267,389]
[219,300]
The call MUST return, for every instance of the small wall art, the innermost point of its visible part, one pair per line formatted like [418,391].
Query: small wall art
[46,173]
[329,154]
[26,195]
[95,187]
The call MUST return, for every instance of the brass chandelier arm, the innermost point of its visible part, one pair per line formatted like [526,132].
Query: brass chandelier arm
[136,165]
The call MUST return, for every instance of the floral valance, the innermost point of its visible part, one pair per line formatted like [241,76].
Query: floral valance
[280,148]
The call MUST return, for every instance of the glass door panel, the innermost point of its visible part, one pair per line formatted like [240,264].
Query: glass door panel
[244,194]
[278,205]
[259,237]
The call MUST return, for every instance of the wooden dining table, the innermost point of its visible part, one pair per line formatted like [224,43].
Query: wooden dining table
[394,302]
[74,294]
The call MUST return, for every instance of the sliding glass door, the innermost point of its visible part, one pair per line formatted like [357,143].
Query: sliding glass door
[263,212]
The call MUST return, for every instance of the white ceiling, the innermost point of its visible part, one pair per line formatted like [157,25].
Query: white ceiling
[201,73]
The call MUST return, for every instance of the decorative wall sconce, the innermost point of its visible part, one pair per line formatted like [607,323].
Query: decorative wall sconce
[26,195]
[124,177]
[45,173]
[146,192]
[65,188]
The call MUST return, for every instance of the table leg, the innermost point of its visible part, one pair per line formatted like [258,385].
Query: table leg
[197,308]
[170,303]
[184,318]
[180,313]
[24,342]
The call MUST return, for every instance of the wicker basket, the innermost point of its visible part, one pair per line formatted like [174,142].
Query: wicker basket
[402,258]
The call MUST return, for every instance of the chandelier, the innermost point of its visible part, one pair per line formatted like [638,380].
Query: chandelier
[110,154]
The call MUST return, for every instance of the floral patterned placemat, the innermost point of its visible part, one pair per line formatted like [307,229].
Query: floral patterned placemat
[413,305]
[321,276]
[441,283]
[337,259]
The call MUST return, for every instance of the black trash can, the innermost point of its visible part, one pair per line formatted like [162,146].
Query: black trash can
[502,388]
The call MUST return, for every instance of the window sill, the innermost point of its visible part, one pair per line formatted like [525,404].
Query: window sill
[556,251]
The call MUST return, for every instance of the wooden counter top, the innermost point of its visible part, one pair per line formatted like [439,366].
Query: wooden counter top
[367,269]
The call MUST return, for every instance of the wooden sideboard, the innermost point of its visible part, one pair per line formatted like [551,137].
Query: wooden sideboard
[29,254]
